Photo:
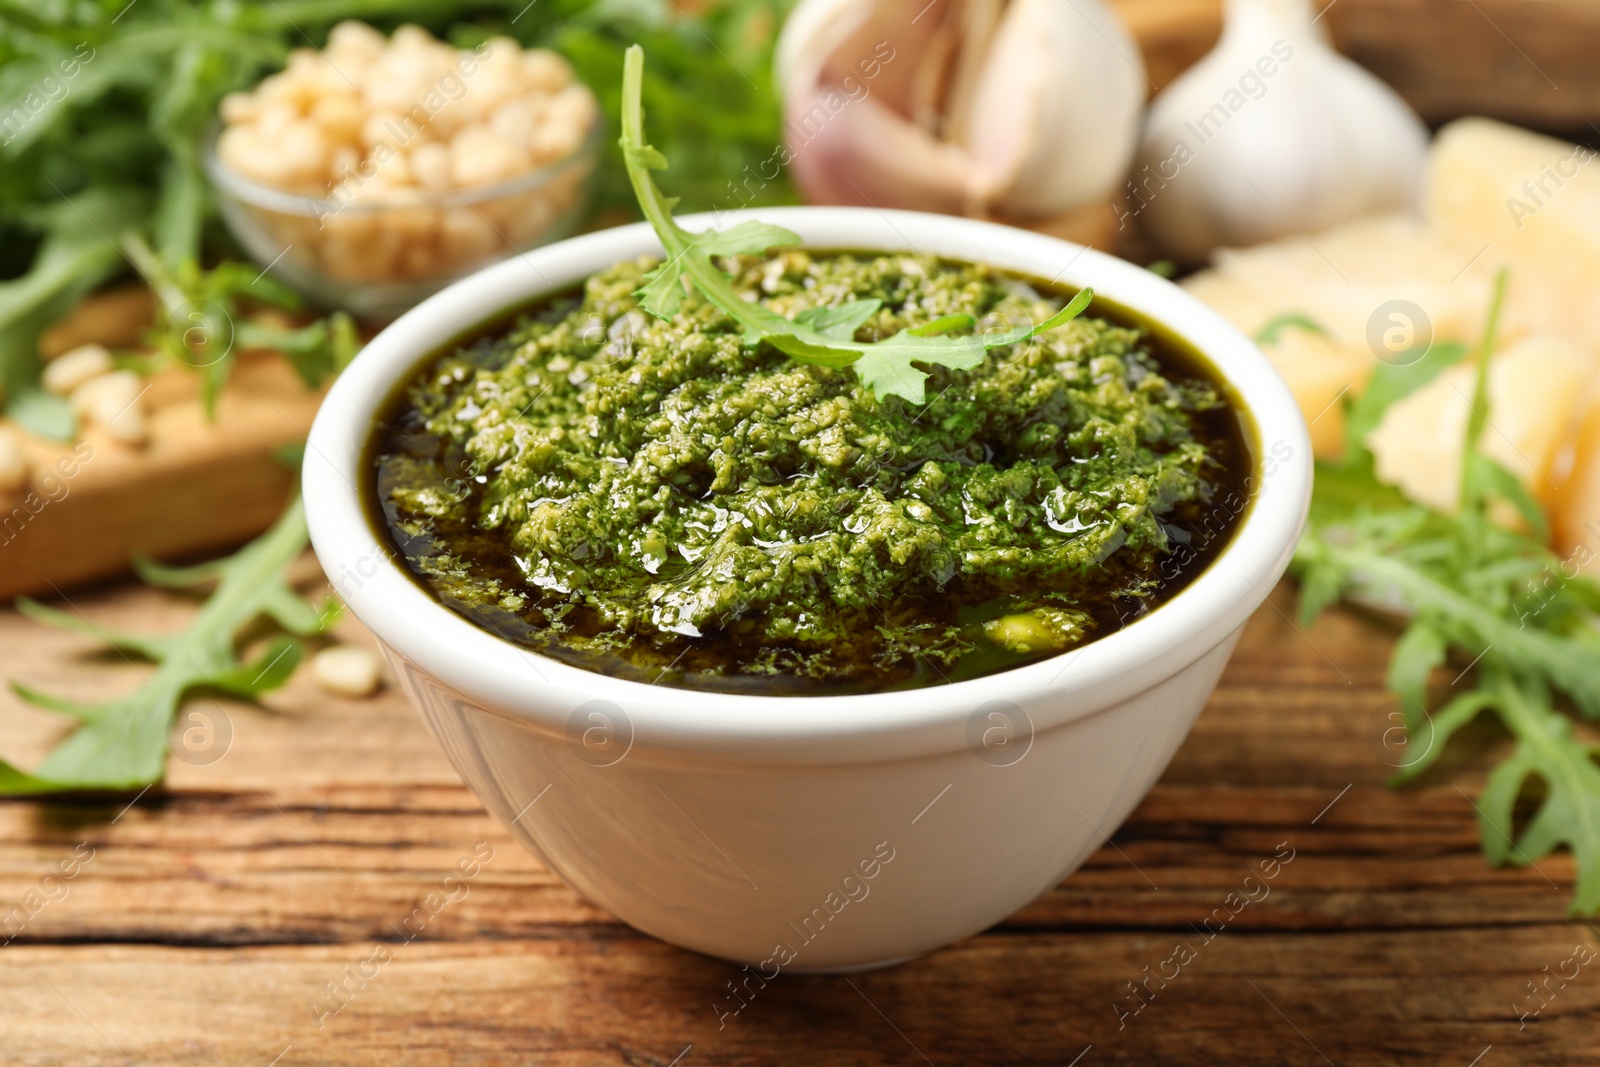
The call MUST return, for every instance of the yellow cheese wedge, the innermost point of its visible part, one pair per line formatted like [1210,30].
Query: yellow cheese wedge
[1576,513]
[1318,371]
[1509,197]
[1535,387]
[1376,287]
[1353,278]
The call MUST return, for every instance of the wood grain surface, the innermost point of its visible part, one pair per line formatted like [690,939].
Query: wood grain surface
[250,911]
[209,916]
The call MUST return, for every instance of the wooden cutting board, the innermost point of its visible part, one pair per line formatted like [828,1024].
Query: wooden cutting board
[196,485]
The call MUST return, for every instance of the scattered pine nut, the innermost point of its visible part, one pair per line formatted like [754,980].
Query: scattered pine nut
[346,670]
[114,402]
[71,369]
[125,422]
[121,384]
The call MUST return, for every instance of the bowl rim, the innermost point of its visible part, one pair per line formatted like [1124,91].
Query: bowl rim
[541,692]
[257,194]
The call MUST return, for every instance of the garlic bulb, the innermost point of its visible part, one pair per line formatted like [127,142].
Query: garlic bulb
[1270,134]
[1019,108]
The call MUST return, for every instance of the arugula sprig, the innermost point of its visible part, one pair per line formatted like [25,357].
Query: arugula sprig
[824,336]
[73,258]
[1496,598]
[203,320]
[122,744]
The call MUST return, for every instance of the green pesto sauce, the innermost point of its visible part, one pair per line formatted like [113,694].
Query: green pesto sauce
[655,500]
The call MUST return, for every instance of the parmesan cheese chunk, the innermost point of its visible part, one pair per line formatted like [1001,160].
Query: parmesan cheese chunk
[1533,394]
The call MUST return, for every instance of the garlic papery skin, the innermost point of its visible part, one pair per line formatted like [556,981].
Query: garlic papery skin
[1022,109]
[1272,133]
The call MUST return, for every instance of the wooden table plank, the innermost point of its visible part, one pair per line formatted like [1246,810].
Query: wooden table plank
[1032,999]
[210,915]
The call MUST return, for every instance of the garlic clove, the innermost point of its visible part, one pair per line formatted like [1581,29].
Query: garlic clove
[1021,108]
[1054,116]
[1271,134]
[980,19]
[825,42]
[870,156]
[812,33]
[930,80]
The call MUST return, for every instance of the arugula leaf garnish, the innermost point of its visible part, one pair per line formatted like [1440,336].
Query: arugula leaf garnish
[1498,599]
[822,336]
[122,744]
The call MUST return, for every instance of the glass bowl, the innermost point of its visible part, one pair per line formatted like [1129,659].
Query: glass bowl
[376,258]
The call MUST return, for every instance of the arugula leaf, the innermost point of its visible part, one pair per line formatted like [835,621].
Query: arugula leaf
[840,323]
[76,256]
[202,321]
[122,744]
[1489,479]
[1498,599]
[1433,588]
[1420,649]
[1570,811]
[886,367]
[1349,488]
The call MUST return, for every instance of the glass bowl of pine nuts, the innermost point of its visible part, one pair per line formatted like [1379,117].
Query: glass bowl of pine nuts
[373,173]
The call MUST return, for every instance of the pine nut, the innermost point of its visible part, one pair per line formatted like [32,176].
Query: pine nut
[346,670]
[71,369]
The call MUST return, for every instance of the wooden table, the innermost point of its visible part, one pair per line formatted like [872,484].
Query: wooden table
[210,914]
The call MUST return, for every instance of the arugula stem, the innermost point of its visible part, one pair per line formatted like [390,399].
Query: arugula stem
[654,205]
[153,271]
[1467,585]
[1530,725]
[1576,670]
[1478,415]
[657,208]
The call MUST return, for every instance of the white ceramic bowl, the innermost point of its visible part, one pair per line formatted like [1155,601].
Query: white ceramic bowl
[810,833]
